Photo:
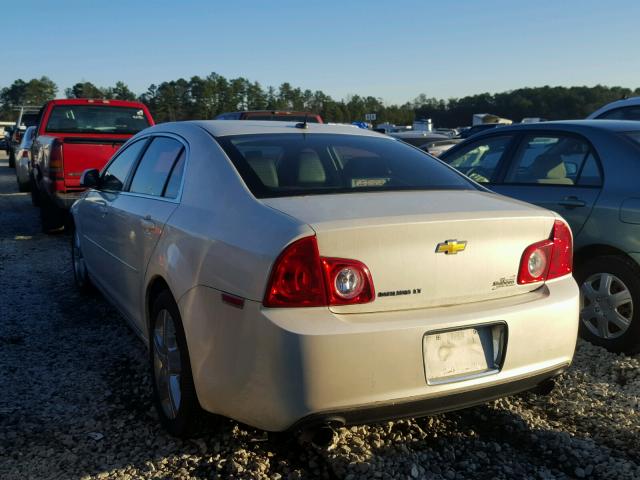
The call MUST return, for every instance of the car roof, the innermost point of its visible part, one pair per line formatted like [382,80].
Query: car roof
[625,102]
[222,128]
[96,101]
[567,125]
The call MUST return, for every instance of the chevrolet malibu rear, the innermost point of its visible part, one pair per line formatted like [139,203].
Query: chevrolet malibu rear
[311,274]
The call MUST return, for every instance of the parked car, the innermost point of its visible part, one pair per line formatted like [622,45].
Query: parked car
[626,109]
[479,128]
[438,147]
[274,115]
[74,135]
[263,264]
[587,171]
[28,116]
[418,138]
[23,160]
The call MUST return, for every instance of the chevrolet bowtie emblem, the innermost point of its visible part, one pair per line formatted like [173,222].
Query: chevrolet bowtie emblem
[451,247]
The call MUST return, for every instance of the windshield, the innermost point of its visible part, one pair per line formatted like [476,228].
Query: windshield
[96,119]
[301,164]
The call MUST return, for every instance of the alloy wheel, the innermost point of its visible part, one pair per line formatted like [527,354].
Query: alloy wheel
[606,305]
[167,365]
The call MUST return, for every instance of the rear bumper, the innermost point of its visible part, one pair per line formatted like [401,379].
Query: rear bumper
[278,369]
[64,200]
[363,414]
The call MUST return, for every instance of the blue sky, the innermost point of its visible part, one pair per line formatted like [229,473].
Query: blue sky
[390,49]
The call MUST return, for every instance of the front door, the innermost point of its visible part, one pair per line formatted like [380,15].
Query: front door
[138,218]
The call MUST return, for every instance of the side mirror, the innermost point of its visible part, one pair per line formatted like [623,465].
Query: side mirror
[90,178]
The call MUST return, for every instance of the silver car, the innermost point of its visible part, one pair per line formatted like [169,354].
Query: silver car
[289,274]
[23,160]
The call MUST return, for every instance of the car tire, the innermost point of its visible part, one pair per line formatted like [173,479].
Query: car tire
[35,195]
[174,393]
[80,275]
[24,186]
[610,303]
[52,218]
[12,159]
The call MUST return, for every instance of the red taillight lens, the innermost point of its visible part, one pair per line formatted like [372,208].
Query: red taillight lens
[296,278]
[348,281]
[56,161]
[562,257]
[25,154]
[534,265]
[301,278]
[548,259]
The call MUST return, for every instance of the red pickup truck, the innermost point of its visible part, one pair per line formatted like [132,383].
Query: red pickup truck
[72,136]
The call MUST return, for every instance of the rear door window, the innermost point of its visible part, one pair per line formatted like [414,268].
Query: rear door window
[480,159]
[155,166]
[115,175]
[552,160]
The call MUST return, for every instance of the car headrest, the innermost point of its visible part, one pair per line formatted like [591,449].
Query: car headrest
[264,168]
[310,169]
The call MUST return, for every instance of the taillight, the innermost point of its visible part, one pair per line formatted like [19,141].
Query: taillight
[562,257]
[548,259]
[56,161]
[296,278]
[25,154]
[301,278]
[348,281]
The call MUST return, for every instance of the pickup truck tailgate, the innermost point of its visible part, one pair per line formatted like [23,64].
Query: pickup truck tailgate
[80,154]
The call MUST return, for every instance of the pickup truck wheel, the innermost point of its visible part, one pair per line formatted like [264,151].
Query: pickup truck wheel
[610,303]
[12,159]
[174,393]
[24,186]
[35,195]
[51,217]
[80,275]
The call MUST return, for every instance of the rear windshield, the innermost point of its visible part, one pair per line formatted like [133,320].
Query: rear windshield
[299,164]
[96,119]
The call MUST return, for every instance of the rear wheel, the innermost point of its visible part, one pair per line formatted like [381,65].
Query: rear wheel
[24,186]
[80,275]
[174,393]
[52,218]
[35,196]
[610,303]
[12,159]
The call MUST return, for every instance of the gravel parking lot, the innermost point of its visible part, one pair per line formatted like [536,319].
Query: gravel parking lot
[76,403]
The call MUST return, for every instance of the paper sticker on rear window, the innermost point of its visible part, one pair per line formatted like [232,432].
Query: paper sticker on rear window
[369,182]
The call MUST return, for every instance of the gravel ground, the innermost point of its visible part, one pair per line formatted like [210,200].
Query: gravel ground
[75,401]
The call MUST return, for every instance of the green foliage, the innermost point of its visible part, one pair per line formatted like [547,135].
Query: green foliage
[206,97]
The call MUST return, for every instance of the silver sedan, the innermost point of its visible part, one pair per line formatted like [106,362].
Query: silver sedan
[291,274]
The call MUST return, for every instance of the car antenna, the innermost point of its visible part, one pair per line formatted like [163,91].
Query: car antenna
[303,125]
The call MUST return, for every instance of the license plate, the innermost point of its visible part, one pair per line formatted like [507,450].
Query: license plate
[456,353]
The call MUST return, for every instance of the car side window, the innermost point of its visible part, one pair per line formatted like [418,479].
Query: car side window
[115,176]
[590,175]
[156,164]
[175,178]
[623,113]
[480,159]
[549,160]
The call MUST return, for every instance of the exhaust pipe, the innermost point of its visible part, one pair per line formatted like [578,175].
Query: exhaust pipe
[322,435]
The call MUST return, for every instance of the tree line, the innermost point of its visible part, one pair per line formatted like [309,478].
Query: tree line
[206,97]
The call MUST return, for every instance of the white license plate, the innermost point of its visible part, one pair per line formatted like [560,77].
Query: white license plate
[456,353]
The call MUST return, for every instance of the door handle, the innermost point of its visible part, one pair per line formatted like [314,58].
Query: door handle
[572,202]
[148,225]
[102,207]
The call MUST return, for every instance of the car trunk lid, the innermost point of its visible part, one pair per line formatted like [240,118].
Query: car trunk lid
[408,239]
